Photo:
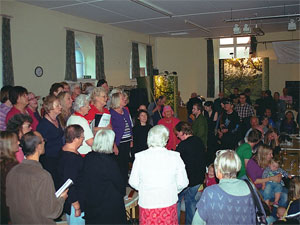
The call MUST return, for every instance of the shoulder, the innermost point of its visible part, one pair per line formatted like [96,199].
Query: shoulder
[105,110]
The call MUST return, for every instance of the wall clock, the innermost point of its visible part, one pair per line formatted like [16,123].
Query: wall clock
[38,71]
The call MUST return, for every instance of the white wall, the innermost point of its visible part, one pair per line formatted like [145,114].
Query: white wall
[39,38]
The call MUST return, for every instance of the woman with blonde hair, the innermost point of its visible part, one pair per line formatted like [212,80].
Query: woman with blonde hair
[272,139]
[9,145]
[66,111]
[230,201]
[293,210]
[256,166]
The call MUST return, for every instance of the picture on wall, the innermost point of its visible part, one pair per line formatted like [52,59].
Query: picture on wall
[252,73]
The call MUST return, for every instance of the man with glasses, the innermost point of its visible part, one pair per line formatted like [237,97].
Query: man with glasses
[30,193]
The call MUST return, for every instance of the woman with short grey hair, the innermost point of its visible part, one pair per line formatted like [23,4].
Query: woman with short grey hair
[230,201]
[102,183]
[159,175]
[81,108]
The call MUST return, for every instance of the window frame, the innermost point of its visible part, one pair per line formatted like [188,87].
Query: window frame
[235,45]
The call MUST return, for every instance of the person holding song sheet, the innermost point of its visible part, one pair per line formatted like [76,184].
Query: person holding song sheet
[30,193]
[70,166]
[98,100]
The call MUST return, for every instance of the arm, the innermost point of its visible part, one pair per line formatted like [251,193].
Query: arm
[246,162]
[276,179]
[134,179]
[89,141]
[181,175]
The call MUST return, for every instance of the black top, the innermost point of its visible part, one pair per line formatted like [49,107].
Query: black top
[211,124]
[70,166]
[230,121]
[103,189]
[140,134]
[192,153]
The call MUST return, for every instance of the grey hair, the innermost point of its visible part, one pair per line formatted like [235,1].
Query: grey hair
[115,90]
[115,100]
[73,86]
[104,141]
[80,101]
[228,163]
[158,136]
[97,92]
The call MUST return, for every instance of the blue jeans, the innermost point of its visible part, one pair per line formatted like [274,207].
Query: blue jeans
[189,195]
[283,197]
[270,190]
[75,220]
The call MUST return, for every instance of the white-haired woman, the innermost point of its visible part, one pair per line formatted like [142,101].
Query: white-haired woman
[102,183]
[159,175]
[122,126]
[81,107]
[98,101]
[230,201]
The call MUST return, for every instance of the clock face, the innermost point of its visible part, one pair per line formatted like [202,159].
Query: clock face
[38,71]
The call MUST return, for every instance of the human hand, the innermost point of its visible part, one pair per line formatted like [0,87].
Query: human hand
[276,178]
[116,150]
[77,212]
[64,195]
[224,131]
[131,144]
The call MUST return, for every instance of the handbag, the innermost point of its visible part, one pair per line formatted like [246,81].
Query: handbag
[260,212]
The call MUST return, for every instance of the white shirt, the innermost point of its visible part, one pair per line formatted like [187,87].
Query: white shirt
[159,175]
[88,134]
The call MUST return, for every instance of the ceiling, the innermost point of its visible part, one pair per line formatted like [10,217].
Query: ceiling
[209,14]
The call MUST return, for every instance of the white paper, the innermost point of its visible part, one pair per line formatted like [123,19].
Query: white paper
[67,184]
[105,120]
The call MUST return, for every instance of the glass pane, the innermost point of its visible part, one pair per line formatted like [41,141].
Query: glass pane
[226,41]
[242,52]
[78,56]
[79,70]
[226,53]
[142,58]
[243,40]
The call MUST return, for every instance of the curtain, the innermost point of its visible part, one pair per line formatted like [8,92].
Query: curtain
[253,46]
[70,57]
[99,59]
[8,72]
[149,61]
[135,61]
[210,69]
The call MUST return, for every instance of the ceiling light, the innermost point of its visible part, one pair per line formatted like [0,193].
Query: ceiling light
[236,29]
[292,25]
[246,29]
[179,33]
[153,7]
[197,25]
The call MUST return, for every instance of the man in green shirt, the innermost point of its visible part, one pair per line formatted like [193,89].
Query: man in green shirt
[244,151]
[199,125]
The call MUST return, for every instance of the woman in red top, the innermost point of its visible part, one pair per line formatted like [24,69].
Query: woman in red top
[169,121]
[98,101]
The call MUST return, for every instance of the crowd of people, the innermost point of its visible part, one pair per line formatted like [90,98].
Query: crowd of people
[87,134]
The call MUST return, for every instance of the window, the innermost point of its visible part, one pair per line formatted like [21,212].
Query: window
[237,47]
[79,57]
[142,60]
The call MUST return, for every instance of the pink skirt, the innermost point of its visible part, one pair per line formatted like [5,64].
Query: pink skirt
[163,216]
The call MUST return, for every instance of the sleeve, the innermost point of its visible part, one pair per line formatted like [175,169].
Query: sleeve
[181,175]
[202,206]
[251,111]
[251,171]
[248,154]
[150,108]
[49,206]
[134,179]
[88,134]
[42,129]
[283,172]
[71,170]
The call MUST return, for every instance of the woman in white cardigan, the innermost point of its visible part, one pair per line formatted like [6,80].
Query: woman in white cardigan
[159,175]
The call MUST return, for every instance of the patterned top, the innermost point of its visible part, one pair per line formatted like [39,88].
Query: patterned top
[4,109]
[244,111]
[270,173]
[127,133]
[218,207]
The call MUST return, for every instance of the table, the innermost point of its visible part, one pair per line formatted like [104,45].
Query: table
[290,156]
[130,204]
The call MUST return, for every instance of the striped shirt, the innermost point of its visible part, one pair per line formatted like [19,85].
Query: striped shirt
[127,133]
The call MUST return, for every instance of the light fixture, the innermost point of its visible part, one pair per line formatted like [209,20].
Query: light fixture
[236,29]
[197,25]
[292,25]
[153,7]
[179,33]
[246,29]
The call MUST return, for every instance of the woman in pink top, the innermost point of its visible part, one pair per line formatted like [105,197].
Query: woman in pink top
[169,121]
[20,124]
